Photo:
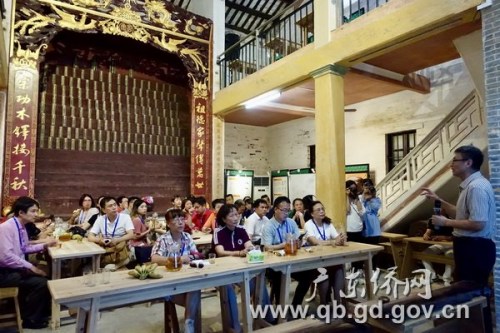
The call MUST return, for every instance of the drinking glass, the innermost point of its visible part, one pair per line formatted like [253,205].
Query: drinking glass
[106,275]
[211,258]
[89,278]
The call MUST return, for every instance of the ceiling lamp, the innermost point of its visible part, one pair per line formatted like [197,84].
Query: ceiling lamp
[261,99]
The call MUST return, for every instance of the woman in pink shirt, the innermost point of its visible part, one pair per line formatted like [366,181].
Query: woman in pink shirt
[139,244]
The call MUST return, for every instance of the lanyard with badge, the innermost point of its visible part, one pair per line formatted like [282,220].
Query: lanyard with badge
[21,239]
[279,233]
[323,235]
[106,226]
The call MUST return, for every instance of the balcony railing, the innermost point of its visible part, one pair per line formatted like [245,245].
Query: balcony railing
[281,35]
[276,38]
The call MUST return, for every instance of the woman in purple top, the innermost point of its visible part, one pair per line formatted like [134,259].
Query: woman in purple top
[232,240]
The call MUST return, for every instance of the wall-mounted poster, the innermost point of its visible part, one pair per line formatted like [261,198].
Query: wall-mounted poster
[302,182]
[279,183]
[239,183]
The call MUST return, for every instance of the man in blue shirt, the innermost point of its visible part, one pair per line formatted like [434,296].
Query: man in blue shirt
[473,219]
[274,236]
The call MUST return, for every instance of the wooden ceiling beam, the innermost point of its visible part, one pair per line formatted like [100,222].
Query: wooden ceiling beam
[247,10]
[237,28]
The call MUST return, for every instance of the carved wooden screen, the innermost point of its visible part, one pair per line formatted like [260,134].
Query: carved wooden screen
[156,23]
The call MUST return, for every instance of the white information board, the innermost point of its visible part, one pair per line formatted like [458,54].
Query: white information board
[301,185]
[239,186]
[280,186]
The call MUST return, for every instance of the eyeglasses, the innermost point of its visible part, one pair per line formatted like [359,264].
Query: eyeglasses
[284,210]
[458,160]
[319,209]
[179,219]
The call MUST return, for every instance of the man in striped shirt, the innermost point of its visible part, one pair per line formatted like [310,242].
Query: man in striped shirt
[472,219]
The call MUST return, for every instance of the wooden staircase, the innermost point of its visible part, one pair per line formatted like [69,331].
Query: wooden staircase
[427,165]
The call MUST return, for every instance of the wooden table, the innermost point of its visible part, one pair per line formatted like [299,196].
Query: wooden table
[71,250]
[413,251]
[393,243]
[123,289]
[323,256]
[202,239]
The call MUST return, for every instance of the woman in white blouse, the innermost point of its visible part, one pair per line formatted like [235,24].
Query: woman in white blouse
[87,209]
[320,231]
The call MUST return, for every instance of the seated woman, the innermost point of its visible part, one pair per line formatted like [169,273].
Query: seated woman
[176,220]
[112,231]
[82,215]
[231,239]
[93,218]
[141,230]
[320,230]
[297,213]
[187,207]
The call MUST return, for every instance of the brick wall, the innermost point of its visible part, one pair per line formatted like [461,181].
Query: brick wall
[491,41]
[246,147]
[108,133]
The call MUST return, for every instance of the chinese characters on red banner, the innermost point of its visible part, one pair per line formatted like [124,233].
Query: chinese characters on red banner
[21,135]
[200,138]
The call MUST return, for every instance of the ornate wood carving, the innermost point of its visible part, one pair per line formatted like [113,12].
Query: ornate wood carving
[154,22]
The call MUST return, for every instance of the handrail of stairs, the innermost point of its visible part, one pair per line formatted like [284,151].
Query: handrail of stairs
[430,156]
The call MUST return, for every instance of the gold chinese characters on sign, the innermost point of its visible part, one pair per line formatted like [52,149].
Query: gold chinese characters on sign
[201,168]
[21,133]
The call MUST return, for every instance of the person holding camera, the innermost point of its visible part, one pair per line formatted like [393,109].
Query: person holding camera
[354,219]
[371,204]
[355,212]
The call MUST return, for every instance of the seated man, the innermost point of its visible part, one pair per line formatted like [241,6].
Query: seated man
[255,222]
[439,234]
[112,231]
[274,236]
[211,224]
[201,213]
[15,271]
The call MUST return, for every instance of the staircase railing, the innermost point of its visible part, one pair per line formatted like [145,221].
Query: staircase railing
[431,155]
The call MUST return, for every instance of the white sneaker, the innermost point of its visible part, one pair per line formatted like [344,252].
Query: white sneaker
[189,326]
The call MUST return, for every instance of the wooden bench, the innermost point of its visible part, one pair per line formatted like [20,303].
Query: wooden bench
[14,317]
